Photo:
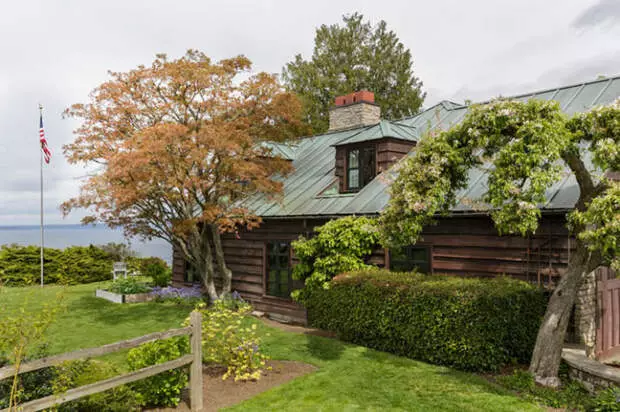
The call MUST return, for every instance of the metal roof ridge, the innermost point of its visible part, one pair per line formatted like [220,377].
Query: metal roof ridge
[549,89]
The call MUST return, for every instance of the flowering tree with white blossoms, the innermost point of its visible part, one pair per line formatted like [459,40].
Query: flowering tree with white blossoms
[529,147]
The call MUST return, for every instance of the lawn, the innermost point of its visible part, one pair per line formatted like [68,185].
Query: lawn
[349,377]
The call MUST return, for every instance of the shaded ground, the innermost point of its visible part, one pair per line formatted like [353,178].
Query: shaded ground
[220,393]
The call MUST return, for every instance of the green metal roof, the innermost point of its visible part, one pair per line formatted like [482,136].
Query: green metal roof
[306,190]
[381,130]
[284,150]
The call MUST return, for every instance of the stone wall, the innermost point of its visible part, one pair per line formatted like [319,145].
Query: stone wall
[585,314]
[592,374]
[353,115]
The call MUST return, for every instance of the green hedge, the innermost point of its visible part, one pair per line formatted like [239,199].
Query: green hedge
[469,324]
[19,265]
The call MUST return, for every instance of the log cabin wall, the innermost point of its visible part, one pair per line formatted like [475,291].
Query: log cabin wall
[390,151]
[460,246]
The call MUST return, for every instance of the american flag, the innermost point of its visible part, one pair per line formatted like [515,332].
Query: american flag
[47,155]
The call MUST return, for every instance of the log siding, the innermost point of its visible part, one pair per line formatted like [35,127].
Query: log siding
[460,246]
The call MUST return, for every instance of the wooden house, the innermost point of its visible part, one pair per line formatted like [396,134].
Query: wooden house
[342,172]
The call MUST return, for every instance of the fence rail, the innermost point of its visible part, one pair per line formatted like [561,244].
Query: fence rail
[194,359]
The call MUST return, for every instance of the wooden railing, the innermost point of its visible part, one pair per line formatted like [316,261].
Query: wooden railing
[194,359]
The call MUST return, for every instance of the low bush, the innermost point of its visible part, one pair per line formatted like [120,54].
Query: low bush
[19,265]
[32,385]
[156,269]
[165,388]
[191,295]
[128,286]
[228,343]
[469,324]
[570,396]
[83,372]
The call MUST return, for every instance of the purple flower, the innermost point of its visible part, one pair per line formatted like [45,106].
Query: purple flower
[172,293]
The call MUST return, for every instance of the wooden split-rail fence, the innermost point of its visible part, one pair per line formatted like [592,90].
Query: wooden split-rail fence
[194,359]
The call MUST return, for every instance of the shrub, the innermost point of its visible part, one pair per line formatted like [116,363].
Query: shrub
[178,295]
[571,395]
[227,342]
[165,388]
[83,372]
[128,286]
[340,245]
[607,400]
[19,265]
[156,269]
[31,385]
[469,324]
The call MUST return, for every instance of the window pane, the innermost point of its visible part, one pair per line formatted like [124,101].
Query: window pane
[354,179]
[418,254]
[278,274]
[368,165]
[353,159]
[410,258]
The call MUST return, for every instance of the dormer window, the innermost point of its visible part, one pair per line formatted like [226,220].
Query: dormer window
[361,167]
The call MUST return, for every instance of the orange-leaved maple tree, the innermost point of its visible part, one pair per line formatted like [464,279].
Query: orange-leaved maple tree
[177,147]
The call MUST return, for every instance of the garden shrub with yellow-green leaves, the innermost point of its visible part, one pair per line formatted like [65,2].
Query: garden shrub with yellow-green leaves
[229,343]
[340,245]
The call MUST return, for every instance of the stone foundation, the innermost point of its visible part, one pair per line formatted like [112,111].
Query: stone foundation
[592,374]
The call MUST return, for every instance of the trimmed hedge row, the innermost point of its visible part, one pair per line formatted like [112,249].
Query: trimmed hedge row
[469,324]
[19,265]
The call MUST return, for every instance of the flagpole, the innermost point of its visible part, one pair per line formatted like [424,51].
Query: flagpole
[41,173]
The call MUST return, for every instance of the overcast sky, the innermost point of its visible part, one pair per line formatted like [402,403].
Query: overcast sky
[56,52]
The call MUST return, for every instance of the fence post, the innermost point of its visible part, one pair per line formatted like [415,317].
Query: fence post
[195,372]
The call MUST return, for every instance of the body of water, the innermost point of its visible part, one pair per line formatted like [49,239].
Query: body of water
[62,236]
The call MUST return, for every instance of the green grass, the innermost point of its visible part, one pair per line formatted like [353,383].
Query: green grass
[352,378]
[349,377]
[87,321]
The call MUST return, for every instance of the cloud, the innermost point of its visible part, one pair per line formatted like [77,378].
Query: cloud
[602,13]
[56,52]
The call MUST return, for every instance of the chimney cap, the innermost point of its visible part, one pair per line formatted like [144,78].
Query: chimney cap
[356,97]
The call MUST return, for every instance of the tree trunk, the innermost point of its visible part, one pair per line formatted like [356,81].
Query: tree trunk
[550,340]
[223,270]
[206,259]
[586,312]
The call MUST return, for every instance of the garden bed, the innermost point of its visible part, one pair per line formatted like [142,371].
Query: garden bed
[218,393]
[124,298]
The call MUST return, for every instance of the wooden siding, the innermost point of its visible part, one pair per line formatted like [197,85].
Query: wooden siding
[390,151]
[460,246]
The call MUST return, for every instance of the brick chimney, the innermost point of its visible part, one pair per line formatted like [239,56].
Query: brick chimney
[354,110]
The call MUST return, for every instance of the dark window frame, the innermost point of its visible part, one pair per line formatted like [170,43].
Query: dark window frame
[290,282]
[366,165]
[428,249]
[190,269]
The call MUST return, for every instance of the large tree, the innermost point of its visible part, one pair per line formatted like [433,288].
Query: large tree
[352,57]
[176,146]
[526,148]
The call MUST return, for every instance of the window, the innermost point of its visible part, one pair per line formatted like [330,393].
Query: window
[190,275]
[360,167]
[409,258]
[279,280]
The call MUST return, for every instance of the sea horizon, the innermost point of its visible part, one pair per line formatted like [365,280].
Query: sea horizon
[64,235]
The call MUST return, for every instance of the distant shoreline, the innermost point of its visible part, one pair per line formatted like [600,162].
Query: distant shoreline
[55,226]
